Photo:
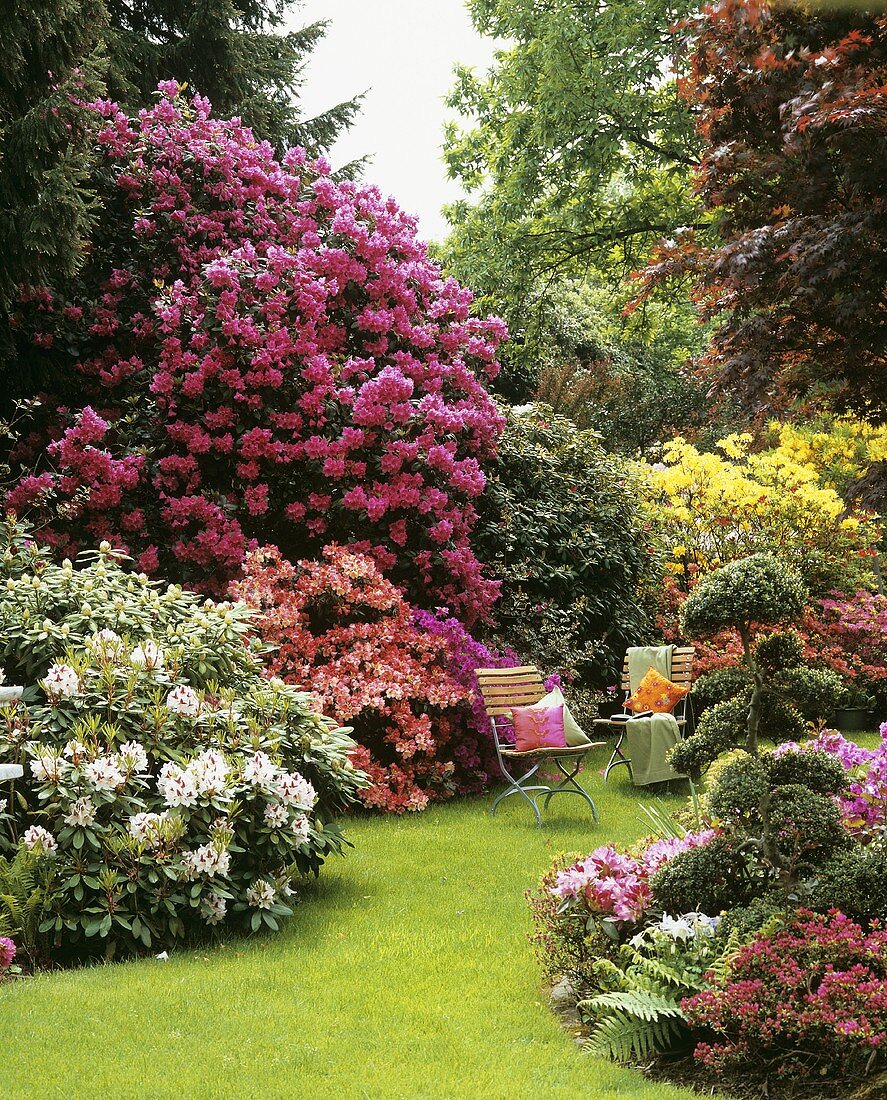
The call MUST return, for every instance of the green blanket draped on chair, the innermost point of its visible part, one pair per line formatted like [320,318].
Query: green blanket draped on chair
[650,738]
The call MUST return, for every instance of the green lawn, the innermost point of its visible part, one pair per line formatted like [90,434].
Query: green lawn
[405,973]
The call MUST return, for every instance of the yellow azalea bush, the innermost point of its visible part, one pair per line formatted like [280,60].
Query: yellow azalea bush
[708,509]
[839,448]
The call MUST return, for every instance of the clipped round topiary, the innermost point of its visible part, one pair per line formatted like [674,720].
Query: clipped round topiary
[855,882]
[170,785]
[707,879]
[739,789]
[806,826]
[815,769]
[717,732]
[758,590]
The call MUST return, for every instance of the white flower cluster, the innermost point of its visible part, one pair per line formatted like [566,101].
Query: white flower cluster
[261,894]
[290,787]
[80,812]
[40,839]
[207,860]
[183,700]
[206,775]
[105,641]
[2,677]
[689,926]
[105,773]
[148,829]
[276,815]
[132,757]
[61,682]
[213,909]
[47,767]
[147,656]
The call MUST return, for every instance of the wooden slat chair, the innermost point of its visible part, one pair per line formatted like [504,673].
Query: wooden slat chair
[502,689]
[681,673]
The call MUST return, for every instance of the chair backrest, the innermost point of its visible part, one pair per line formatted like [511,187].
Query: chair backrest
[504,688]
[681,667]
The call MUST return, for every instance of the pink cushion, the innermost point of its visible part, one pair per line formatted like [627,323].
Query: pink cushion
[539,728]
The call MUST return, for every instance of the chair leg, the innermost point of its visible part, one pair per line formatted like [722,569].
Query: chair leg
[517,787]
[618,756]
[568,785]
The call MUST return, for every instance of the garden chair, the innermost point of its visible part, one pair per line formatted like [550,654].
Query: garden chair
[681,673]
[505,688]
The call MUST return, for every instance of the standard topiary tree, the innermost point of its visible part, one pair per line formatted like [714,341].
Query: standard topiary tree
[758,591]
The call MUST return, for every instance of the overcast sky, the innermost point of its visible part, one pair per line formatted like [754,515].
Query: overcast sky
[401,52]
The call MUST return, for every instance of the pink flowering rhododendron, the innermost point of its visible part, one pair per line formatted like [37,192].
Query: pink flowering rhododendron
[7,953]
[614,884]
[264,354]
[345,632]
[806,999]
[863,804]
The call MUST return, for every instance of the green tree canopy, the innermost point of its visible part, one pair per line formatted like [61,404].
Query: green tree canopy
[577,147]
[51,57]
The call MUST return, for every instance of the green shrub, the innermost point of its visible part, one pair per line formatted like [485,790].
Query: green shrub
[560,524]
[707,879]
[170,785]
[855,882]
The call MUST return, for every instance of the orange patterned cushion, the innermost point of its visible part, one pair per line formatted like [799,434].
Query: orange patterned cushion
[656,693]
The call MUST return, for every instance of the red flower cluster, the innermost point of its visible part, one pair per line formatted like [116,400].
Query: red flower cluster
[810,998]
[268,354]
[349,635]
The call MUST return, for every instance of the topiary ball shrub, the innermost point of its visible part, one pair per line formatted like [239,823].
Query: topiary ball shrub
[170,784]
[855,882]
[560,523]
[757,590]
[257,352]
[707,879]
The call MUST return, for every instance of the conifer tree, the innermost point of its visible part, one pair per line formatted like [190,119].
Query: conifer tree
[235,52]
[51,61]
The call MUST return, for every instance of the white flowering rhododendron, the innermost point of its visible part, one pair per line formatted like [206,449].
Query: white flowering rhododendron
[147,655]
[132,757]
[261,894]
[81,813]
[36,837]
[260,770]
[61,681]
[160,758]
[104,774]
[183,700]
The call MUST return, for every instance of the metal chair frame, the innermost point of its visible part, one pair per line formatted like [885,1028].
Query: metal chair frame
[502,689]
[681,673]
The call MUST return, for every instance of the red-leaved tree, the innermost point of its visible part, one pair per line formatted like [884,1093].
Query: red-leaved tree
[791,101]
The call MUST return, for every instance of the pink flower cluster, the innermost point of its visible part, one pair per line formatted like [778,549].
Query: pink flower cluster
[863,804]
[339,627]
[615,884]
[7,953]
[808,999]
[267,354]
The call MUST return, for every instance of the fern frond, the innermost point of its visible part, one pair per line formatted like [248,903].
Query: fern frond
[622,1037]
[642,1003]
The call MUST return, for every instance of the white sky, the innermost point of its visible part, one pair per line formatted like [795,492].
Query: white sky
[402,53]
